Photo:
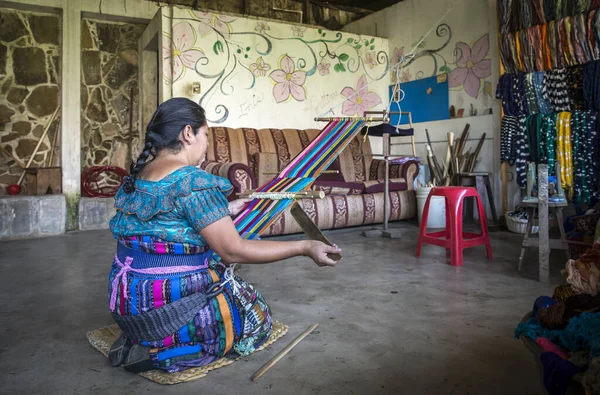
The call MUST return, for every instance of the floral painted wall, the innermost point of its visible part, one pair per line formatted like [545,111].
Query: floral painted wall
[255,73]
[459,45]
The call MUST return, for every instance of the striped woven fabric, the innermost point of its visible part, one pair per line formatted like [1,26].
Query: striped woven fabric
[298,175]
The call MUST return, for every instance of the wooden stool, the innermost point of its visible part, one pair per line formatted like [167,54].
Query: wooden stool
[481,181]
[44,180]
[554,244]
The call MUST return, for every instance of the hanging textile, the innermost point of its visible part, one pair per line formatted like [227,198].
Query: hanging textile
[549,10]
[522,146]
[515,20]
[548,142]
[551,34]
[564,152]
[509,130]
[538,17]
[591,86]
[505,15]
[575,86]
[597,30]
[585,156]
[541,92]
[557,88]
[534,125]
[593,44]
[532,104]
[581,6]
[298,175]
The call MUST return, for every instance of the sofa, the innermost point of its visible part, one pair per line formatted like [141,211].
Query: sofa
[354,195]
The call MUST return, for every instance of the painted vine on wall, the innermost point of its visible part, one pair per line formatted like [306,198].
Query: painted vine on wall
[469,70]
[332,52]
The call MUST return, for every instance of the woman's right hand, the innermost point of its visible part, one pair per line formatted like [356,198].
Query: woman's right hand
[318,251]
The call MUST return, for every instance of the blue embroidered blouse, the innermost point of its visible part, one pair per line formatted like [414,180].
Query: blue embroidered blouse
[174,209]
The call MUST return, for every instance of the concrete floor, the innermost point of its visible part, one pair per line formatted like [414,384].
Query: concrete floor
[389,323]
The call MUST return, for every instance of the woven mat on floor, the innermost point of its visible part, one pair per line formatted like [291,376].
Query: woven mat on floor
[103,338]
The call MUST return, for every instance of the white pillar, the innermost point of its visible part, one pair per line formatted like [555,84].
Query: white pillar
[71,109]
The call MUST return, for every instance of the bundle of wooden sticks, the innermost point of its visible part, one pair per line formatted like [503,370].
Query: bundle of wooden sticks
[457,161]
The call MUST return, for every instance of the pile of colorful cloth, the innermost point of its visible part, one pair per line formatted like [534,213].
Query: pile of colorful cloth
[566,326]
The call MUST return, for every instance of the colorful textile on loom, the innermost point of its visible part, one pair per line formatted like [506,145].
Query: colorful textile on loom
[298,176]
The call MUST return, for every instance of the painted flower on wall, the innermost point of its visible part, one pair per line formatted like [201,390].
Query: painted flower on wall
[472,66]
[360,99]
[260,68]
[323,67]
[262,27]
[397,55]
[298,30]
[371,59]
[288,81]
[210,21]
[181,54]
[405,76]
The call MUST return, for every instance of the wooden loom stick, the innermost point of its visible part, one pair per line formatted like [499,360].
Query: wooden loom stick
[260,372]
[282,195]
[310,229]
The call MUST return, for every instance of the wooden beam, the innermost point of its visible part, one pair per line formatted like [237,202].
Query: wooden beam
[310,229]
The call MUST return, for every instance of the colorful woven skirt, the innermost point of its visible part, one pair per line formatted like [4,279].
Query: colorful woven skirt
[237,320]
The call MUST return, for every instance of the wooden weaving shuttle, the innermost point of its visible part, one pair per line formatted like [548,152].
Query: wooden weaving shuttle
[310,229]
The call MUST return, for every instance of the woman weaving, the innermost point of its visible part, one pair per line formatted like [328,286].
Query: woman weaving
[172,289]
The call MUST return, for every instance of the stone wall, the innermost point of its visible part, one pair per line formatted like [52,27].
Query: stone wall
[29,89]
[109,93]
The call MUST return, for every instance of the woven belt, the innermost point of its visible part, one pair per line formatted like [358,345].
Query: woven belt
[159,323]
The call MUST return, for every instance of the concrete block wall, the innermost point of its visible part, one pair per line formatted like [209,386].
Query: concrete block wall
[32,216]
[95,213]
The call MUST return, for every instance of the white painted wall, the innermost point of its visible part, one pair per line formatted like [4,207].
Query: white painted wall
[469,20]
[223,55]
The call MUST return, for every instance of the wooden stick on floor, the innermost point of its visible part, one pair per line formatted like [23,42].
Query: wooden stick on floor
[260,372]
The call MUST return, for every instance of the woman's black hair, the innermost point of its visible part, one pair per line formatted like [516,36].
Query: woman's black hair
[163,132]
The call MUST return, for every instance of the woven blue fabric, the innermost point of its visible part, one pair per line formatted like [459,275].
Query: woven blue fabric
[174,209]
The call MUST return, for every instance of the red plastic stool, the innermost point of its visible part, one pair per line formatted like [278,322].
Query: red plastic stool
[453,238]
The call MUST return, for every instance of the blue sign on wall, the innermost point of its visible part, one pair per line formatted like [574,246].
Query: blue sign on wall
[426,100]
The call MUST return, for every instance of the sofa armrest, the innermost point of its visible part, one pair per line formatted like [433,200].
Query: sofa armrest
[239,175]
[407,170]
[266,166]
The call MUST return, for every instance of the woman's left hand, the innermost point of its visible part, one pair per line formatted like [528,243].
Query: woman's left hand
[238,205]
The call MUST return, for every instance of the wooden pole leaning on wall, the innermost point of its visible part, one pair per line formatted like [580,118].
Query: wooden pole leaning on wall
[37,147]
[265,368]
[17,161]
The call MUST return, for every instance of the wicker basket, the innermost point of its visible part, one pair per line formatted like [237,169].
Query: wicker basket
[518,225]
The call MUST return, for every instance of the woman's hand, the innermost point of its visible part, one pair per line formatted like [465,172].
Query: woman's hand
[318,251]
[238,205]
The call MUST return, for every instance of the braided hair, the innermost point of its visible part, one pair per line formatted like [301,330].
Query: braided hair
[163,132]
